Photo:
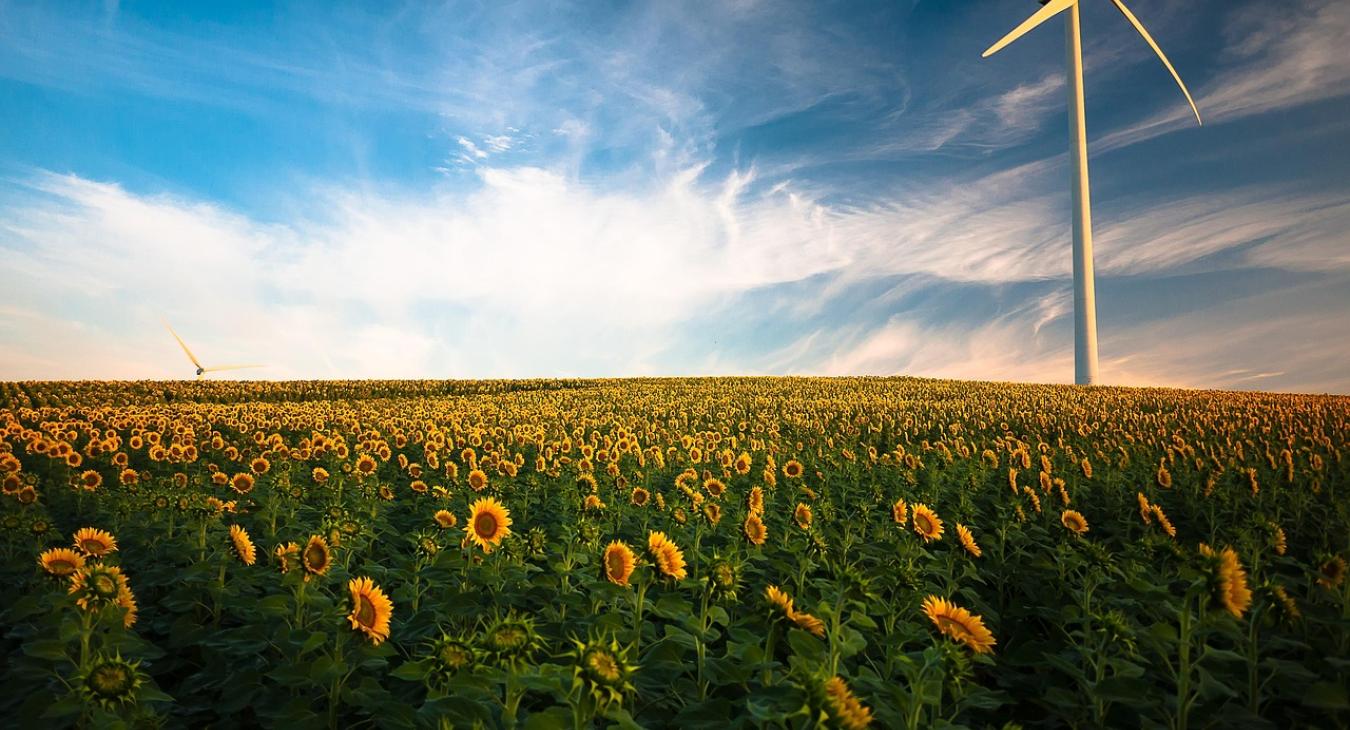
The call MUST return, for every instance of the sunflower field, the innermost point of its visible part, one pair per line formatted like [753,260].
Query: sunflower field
[721,552]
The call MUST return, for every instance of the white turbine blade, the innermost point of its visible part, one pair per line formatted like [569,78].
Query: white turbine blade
[229,367]
[183,345]
[1047,11]
[1161,56]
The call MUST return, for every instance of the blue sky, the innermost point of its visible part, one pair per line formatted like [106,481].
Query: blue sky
[604,188]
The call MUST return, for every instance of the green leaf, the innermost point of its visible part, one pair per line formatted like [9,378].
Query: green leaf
[49,649]
[1327,696]
[413,671]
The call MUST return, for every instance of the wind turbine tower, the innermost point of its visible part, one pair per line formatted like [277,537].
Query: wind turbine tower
[1084,284]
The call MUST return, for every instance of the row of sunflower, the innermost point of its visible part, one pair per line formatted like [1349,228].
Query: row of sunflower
[852,552]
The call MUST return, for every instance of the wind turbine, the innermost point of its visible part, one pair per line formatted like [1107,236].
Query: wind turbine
[1084,287]
[202,369]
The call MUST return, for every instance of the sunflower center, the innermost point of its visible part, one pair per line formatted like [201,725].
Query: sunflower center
[604,666]
[617,564]
[365,611]
[923,522]
[103,585]
[110,680]
[485,524]
[92,546]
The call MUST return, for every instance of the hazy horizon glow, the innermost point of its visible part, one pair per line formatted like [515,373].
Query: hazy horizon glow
[731,187]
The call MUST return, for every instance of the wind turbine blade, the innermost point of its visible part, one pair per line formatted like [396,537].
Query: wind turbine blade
[183,345]
[1047,11]
[1161,56]
[230,367]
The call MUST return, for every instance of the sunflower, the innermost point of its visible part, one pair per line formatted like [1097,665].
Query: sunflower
[1229,580]
[317,557]
[450,654]
[260,466]
[959,624]
[243,545]
[91,480]
[1074,521]
[754,528]
[639,497]
[843,707]
[366,465]
[666,555]
[807,622]
[755,502]
[96,586]
[793,469]
[287,555]
[126,600]
[242,483]
[926,523]
[1163,522]
[1278,539]
[478,480]
[619,561]
[603,669]
[95,543]
[1145,509]
[593,503]
[489,522]
[371,609]
[715,487]
[110,682]
[968,540]
[319,475]
[1332,572]
[781,604]
[778,599]
[802,515]
[61,562]
[900,512]
[445,518]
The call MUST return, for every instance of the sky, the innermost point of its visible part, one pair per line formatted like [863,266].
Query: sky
[530,189]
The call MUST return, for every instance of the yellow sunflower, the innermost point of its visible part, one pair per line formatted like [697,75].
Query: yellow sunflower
[287,555]
[95,543]
[755,531]
[843,707]
[926,523]
[446,519]
[1230,580]
[61,562]
[900,512]
[365,464]
[91,480]
[317,557]
[489,522]
[793,469]
[959,624]
[1074,521]
[1332,572]
[96,586]
[478,480]
[968,540]
[802,515]
[779,600]
[619,562]
[371,609]
[666,555]
[242,483]
[808,623]
[243,545]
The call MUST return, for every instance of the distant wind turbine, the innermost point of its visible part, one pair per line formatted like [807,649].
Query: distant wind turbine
[1084,287]
[201,369]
